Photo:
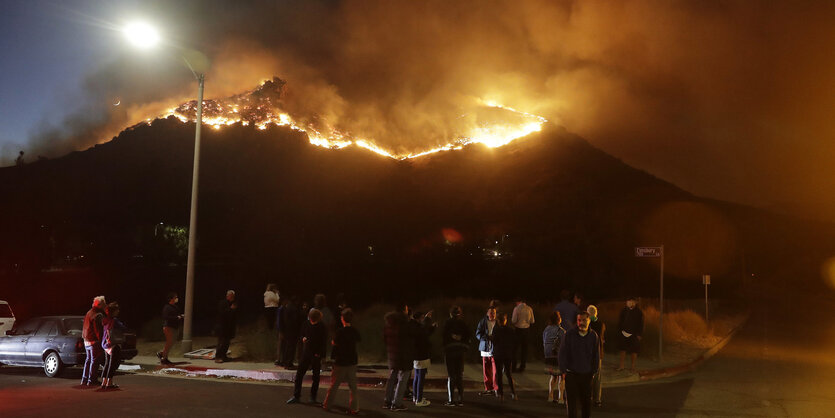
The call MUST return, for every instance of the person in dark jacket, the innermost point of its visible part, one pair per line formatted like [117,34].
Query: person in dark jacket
[630,330]
[226,323]
[579,360]
[92,333]
[504,342]
[423,327]
[345,362]
[484,334]
[400,344]
[568,310]
[314,338]
[171,318]
[289,327]
[110,343]
[456,335]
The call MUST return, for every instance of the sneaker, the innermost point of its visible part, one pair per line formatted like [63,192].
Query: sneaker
[352,412]
[293,400]
[386,406]
[487,392]
[460,403]
[598,404]
[422,403]
[561,402]
[396,408]
[159,355]
[314,402]
[448,403]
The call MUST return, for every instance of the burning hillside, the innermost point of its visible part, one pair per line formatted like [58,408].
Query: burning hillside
[486,122]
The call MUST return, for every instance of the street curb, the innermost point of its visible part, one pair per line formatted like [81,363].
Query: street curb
[648,375]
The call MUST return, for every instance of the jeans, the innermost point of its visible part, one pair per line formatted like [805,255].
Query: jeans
[91,364]
[417,384]
[578,388]
[455,371]
[396,387]
[343,374]
[308,362]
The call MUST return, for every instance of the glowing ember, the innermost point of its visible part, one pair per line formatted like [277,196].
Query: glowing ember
[261,107]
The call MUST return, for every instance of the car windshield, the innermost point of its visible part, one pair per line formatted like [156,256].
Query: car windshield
[5,311]
[73,325]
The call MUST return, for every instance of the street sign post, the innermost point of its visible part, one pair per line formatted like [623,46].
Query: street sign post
[706,282]
[657,252]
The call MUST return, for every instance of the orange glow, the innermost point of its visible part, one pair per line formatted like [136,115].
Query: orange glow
[451,235]
[258,109]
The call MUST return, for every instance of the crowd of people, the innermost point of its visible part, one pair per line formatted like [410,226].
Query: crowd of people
[573,345]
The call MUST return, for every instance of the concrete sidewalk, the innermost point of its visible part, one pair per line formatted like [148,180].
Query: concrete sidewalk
[534,378]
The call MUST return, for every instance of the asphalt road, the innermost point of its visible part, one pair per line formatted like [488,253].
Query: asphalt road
[781,364]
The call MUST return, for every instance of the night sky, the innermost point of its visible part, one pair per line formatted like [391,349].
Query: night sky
[730,100]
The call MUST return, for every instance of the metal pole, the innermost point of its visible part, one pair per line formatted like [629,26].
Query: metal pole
[192,227]
[661,314]
[707,317]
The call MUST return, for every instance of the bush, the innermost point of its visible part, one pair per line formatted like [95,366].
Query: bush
[258,343]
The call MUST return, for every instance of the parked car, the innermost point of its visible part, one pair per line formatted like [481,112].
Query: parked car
[52,342]
[6,317]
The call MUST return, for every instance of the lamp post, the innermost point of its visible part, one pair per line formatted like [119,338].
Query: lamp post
[145,36]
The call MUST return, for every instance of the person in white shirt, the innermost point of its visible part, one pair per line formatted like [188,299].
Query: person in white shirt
[522,320]
[271,305]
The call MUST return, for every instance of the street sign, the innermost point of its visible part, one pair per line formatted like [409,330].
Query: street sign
[705,279]
[648,251]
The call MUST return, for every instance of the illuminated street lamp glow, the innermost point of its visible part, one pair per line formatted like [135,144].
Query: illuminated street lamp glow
[142,35]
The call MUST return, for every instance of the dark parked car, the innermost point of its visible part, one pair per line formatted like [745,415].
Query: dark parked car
[52,342]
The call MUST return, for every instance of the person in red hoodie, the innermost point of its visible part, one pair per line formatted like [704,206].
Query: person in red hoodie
[92,333]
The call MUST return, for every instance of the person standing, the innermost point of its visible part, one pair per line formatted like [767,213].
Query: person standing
[400,352]
[630,328]
[599,327]
[503,343]
[522,319]
[92,333]
[568,311]
[423,328]
[289,327]
[455,338]
[345,362]
[314,340]
[552,336]
[271,305]
[484,334]
[171,318]
[226,323]
[112,349]
[579,359]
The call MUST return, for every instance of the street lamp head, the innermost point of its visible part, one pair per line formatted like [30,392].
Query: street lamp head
[142,35]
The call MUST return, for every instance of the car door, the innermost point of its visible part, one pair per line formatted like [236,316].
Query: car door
[13,347]
[41,340]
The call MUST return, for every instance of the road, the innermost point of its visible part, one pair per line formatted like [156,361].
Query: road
[781,364]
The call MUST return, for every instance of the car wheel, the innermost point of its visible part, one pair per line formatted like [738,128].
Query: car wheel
[52,365]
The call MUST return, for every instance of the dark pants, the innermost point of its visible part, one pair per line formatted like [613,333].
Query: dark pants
[222,347]
[270,316]
[308,362]
[503,366]
[520,348]
[111,361]
[578,388]
[455,371]
[91,364]
[288,350]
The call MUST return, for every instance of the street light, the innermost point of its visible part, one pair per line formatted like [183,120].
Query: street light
[146,36]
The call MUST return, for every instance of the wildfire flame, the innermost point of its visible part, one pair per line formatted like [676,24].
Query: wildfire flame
[261,108]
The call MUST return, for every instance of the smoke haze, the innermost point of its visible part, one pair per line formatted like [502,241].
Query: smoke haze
[731,100]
